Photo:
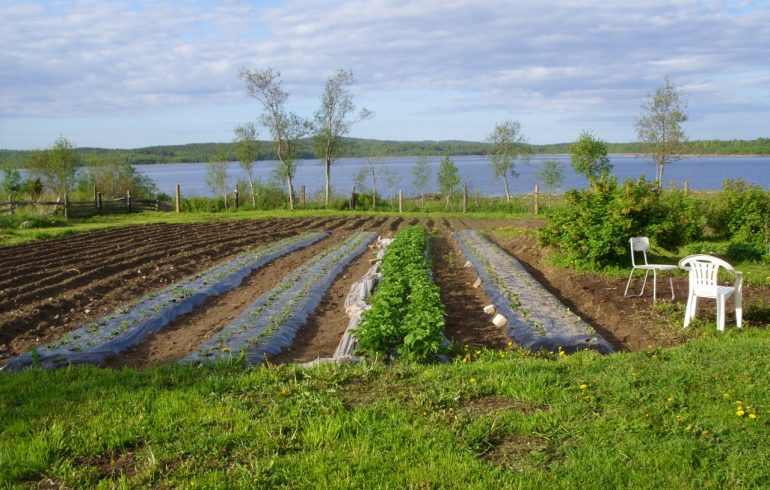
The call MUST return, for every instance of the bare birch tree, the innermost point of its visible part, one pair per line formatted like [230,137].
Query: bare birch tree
[508,145]
[286,128]
[334,120]
[659,128]
[247,149]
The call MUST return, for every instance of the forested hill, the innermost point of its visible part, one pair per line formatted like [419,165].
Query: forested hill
[359,148]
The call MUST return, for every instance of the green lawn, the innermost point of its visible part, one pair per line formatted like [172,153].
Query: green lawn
[692,416]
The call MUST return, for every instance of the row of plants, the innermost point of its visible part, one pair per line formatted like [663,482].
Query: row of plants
[591,230]
[407,317]
[271,322]
[536,320]
[128,325]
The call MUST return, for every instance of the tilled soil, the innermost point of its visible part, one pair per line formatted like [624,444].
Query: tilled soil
[50,288]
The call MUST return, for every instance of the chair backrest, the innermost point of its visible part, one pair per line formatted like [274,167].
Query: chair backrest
[704,271]
[639,244]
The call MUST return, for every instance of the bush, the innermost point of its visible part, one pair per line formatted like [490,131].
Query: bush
[592,229]
[741,213]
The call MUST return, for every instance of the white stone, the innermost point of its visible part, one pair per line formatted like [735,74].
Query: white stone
[490,309]
[499,320]
[477,283]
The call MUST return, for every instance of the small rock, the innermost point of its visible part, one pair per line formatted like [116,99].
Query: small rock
[490,309]
[477,283]
[499,320]
[468,264]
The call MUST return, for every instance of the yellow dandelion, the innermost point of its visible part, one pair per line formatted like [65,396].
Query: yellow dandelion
[704,432]
[740,412]
[583,386]
[670,399]
[738,402]
[726,396]
[473,381]
[752,416]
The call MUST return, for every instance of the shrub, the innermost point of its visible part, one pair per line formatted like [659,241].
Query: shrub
[592,229]
[741,213]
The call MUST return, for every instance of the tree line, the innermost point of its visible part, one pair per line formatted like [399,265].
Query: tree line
[361,148]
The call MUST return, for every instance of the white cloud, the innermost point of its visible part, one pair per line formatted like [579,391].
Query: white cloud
[103,58]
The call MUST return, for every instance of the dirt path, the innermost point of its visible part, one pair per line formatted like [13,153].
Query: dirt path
[466,323]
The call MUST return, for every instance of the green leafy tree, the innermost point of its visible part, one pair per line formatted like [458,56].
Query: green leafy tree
[508,145]
[12,183]
[421,177]
[334,120]
[286,128]
[659,128]
[246,150]
[113,178]
[588,156]
[56,167]
[216,175]
[552,174]
[448,179]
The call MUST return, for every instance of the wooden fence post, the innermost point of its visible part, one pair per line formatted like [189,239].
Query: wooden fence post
[236,197]
[11,208]
[352,202]
[96,198]
[686,188]
[400,201]
[465,198]
[128,200]
[178,199]
[537,197]
[66,205]
[99,201]
[302,196]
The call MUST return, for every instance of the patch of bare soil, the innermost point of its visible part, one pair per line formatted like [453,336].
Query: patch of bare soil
[466,322]
[323,331]
[188,332]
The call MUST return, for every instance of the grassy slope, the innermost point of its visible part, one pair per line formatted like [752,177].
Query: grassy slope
[662,418]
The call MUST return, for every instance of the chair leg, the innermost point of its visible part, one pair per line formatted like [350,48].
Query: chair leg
[654,285]
[644,283]
[671,283]
[721,300]
[739,308]
[687,311]
[630,276]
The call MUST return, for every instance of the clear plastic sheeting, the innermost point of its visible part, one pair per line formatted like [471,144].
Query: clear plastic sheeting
[271,322]
[357,302]
[128,325]
[536,319]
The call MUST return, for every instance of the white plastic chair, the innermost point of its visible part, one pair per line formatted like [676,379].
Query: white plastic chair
[641,244]
[704,273]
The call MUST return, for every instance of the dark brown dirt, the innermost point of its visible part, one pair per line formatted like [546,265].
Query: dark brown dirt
[52,287]
[323,331]
[187,332]
[466,322]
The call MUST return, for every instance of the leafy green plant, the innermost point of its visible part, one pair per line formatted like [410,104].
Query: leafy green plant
[592,230]
[407,315]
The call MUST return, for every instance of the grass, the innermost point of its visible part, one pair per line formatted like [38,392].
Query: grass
[658,418]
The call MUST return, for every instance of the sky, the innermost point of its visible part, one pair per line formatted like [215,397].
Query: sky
[128,74]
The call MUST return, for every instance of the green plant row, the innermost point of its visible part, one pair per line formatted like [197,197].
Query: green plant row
[407,316]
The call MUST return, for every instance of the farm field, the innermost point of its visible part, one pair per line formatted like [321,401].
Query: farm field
[50,288]
[497,416]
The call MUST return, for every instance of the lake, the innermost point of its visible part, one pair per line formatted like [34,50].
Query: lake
[702,173]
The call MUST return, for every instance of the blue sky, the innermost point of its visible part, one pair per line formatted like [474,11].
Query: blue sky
[126,74]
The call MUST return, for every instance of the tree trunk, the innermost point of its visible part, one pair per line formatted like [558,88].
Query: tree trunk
[507,194]
[328,168]
[290,185]
[253,194]
[422,200]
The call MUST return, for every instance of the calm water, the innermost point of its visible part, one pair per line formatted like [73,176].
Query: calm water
[703,173]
